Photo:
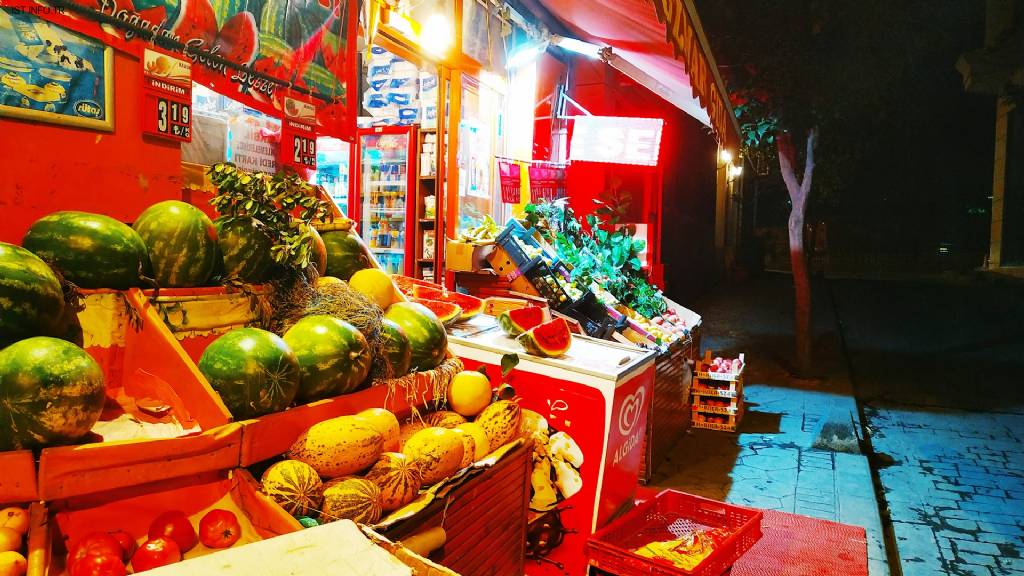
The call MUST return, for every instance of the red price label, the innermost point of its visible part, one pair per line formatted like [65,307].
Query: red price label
[168,117]
[304,151]
[298,144]
[167,96]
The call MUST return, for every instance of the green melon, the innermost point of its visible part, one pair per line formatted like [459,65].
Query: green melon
[51,392]
[395,348]
[90,250]
[346,254]
[427,338]
[244,248]
[334,357]
[253,371]
[182,243]
[31,298]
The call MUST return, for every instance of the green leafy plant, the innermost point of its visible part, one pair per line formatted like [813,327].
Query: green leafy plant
[284,203]
[606,254]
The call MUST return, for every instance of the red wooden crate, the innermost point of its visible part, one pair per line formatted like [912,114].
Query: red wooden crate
[665,517]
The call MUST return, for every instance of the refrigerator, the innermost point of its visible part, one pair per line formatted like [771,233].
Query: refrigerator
[384,201]
[595,399]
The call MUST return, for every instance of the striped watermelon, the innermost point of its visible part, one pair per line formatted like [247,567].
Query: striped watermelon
[397,478]
[426,334]
[244,248]
[346,254]
[90,250]
[31,298]
[51,392]
[396,349]
[333,356]
[295,486]
[182,243]
[253,371]
[352,499]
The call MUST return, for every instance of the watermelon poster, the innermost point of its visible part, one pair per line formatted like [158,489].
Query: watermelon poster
[253,51]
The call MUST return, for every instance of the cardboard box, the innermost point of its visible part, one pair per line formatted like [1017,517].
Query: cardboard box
[463,257]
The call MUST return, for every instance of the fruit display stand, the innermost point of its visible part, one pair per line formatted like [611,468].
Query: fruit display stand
[161,418]
[669,410]
[717,396]
[133,508]
[597,396]
[18,480]
[484,516]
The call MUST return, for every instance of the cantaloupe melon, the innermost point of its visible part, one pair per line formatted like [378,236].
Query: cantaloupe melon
[295,486]
[384,422]
[500,422]
[353,499]
[338,447]
[437,452]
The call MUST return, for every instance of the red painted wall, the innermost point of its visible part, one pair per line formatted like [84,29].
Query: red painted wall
[47,167]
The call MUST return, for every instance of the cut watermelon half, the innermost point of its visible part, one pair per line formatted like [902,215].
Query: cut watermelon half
[407,284]
[471,305]
[515,322]
[550,339]
[446,312]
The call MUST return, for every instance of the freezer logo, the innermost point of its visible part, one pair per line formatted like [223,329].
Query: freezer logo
[629,413]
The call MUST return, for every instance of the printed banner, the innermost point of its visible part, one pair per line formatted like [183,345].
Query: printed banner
[253,51]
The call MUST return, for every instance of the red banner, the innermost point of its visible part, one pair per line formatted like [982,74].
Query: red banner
[254,51]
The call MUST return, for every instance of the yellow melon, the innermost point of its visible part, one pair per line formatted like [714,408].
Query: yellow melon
[384,422]
[481,445]
[500,422]
[398,479]
[338,447]
[353,499]
[376,285]
[444,419]
[405,431]
[437,452]
[469,393]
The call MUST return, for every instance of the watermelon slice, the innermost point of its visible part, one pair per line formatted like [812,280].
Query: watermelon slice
[515,322]
[446,312]
[407,284]
[471,305]
[550,339]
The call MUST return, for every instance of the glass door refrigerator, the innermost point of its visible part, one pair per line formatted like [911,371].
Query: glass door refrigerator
[384,203]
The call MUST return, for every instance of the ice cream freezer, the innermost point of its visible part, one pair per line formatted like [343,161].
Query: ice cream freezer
[585,469]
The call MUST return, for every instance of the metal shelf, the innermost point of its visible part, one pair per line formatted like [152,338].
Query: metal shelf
[388,250]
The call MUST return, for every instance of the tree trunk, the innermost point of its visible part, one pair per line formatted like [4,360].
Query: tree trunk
[798,194]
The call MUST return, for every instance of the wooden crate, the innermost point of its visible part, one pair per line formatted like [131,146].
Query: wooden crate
[668,414]
[484,518]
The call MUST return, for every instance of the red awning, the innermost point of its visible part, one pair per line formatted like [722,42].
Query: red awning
[678,66]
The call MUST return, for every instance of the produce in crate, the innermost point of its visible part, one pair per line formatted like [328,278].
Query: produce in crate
[444,419]
[96,553]
[12,563]
[90,250]
[31,297]
[426,334]
[518,320]
[181,241]
[155,553]
[398,479]
[481,444]
[436,452]
[407,430]
[338,447]
[254,371]
[127,542]
[500,422]
[355,499]
[13,541]
[375,284]
[334,357]
[295,486]
[484,233]
[174,524]
[14,518]
[386,423]
[469,393]
[243,248]
[447,312]
[98,565]
[724,365]
[395,348]
[468,447]
[52,393]
[346,254]
[550,339]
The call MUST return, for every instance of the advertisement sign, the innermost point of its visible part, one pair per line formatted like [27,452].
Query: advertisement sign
[298,135]
[616,140]
[254,143]
[254,51]
[167,96]
[49,74]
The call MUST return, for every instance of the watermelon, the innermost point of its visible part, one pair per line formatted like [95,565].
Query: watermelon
[51,392]
[319,258]
[395,348]
[446,312]
[407,284]
[253,371]
[182,243]
[471,305]
[550,339]
[515,322]
[426,334]
[334,357]
[397,478]
[346,254]
[295,486]
[243,247]
[90,250]
[31,298]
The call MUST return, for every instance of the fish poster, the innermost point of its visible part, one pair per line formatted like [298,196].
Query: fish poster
[51,74]
[253,51]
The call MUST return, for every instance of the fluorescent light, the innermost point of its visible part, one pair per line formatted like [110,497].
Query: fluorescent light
[735,171]
[577,46]
[523,56]
[436,36]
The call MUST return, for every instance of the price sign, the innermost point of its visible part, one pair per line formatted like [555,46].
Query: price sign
[298,134]
[167,96]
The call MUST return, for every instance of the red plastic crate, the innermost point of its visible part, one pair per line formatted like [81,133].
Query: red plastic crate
[665,517]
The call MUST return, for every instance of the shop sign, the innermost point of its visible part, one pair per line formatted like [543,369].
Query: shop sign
[254,144]
[298,135]
[616,140]
[167,96]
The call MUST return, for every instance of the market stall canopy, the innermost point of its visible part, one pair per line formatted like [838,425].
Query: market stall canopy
[660,44]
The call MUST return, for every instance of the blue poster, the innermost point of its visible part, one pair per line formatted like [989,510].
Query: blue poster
[50,74]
